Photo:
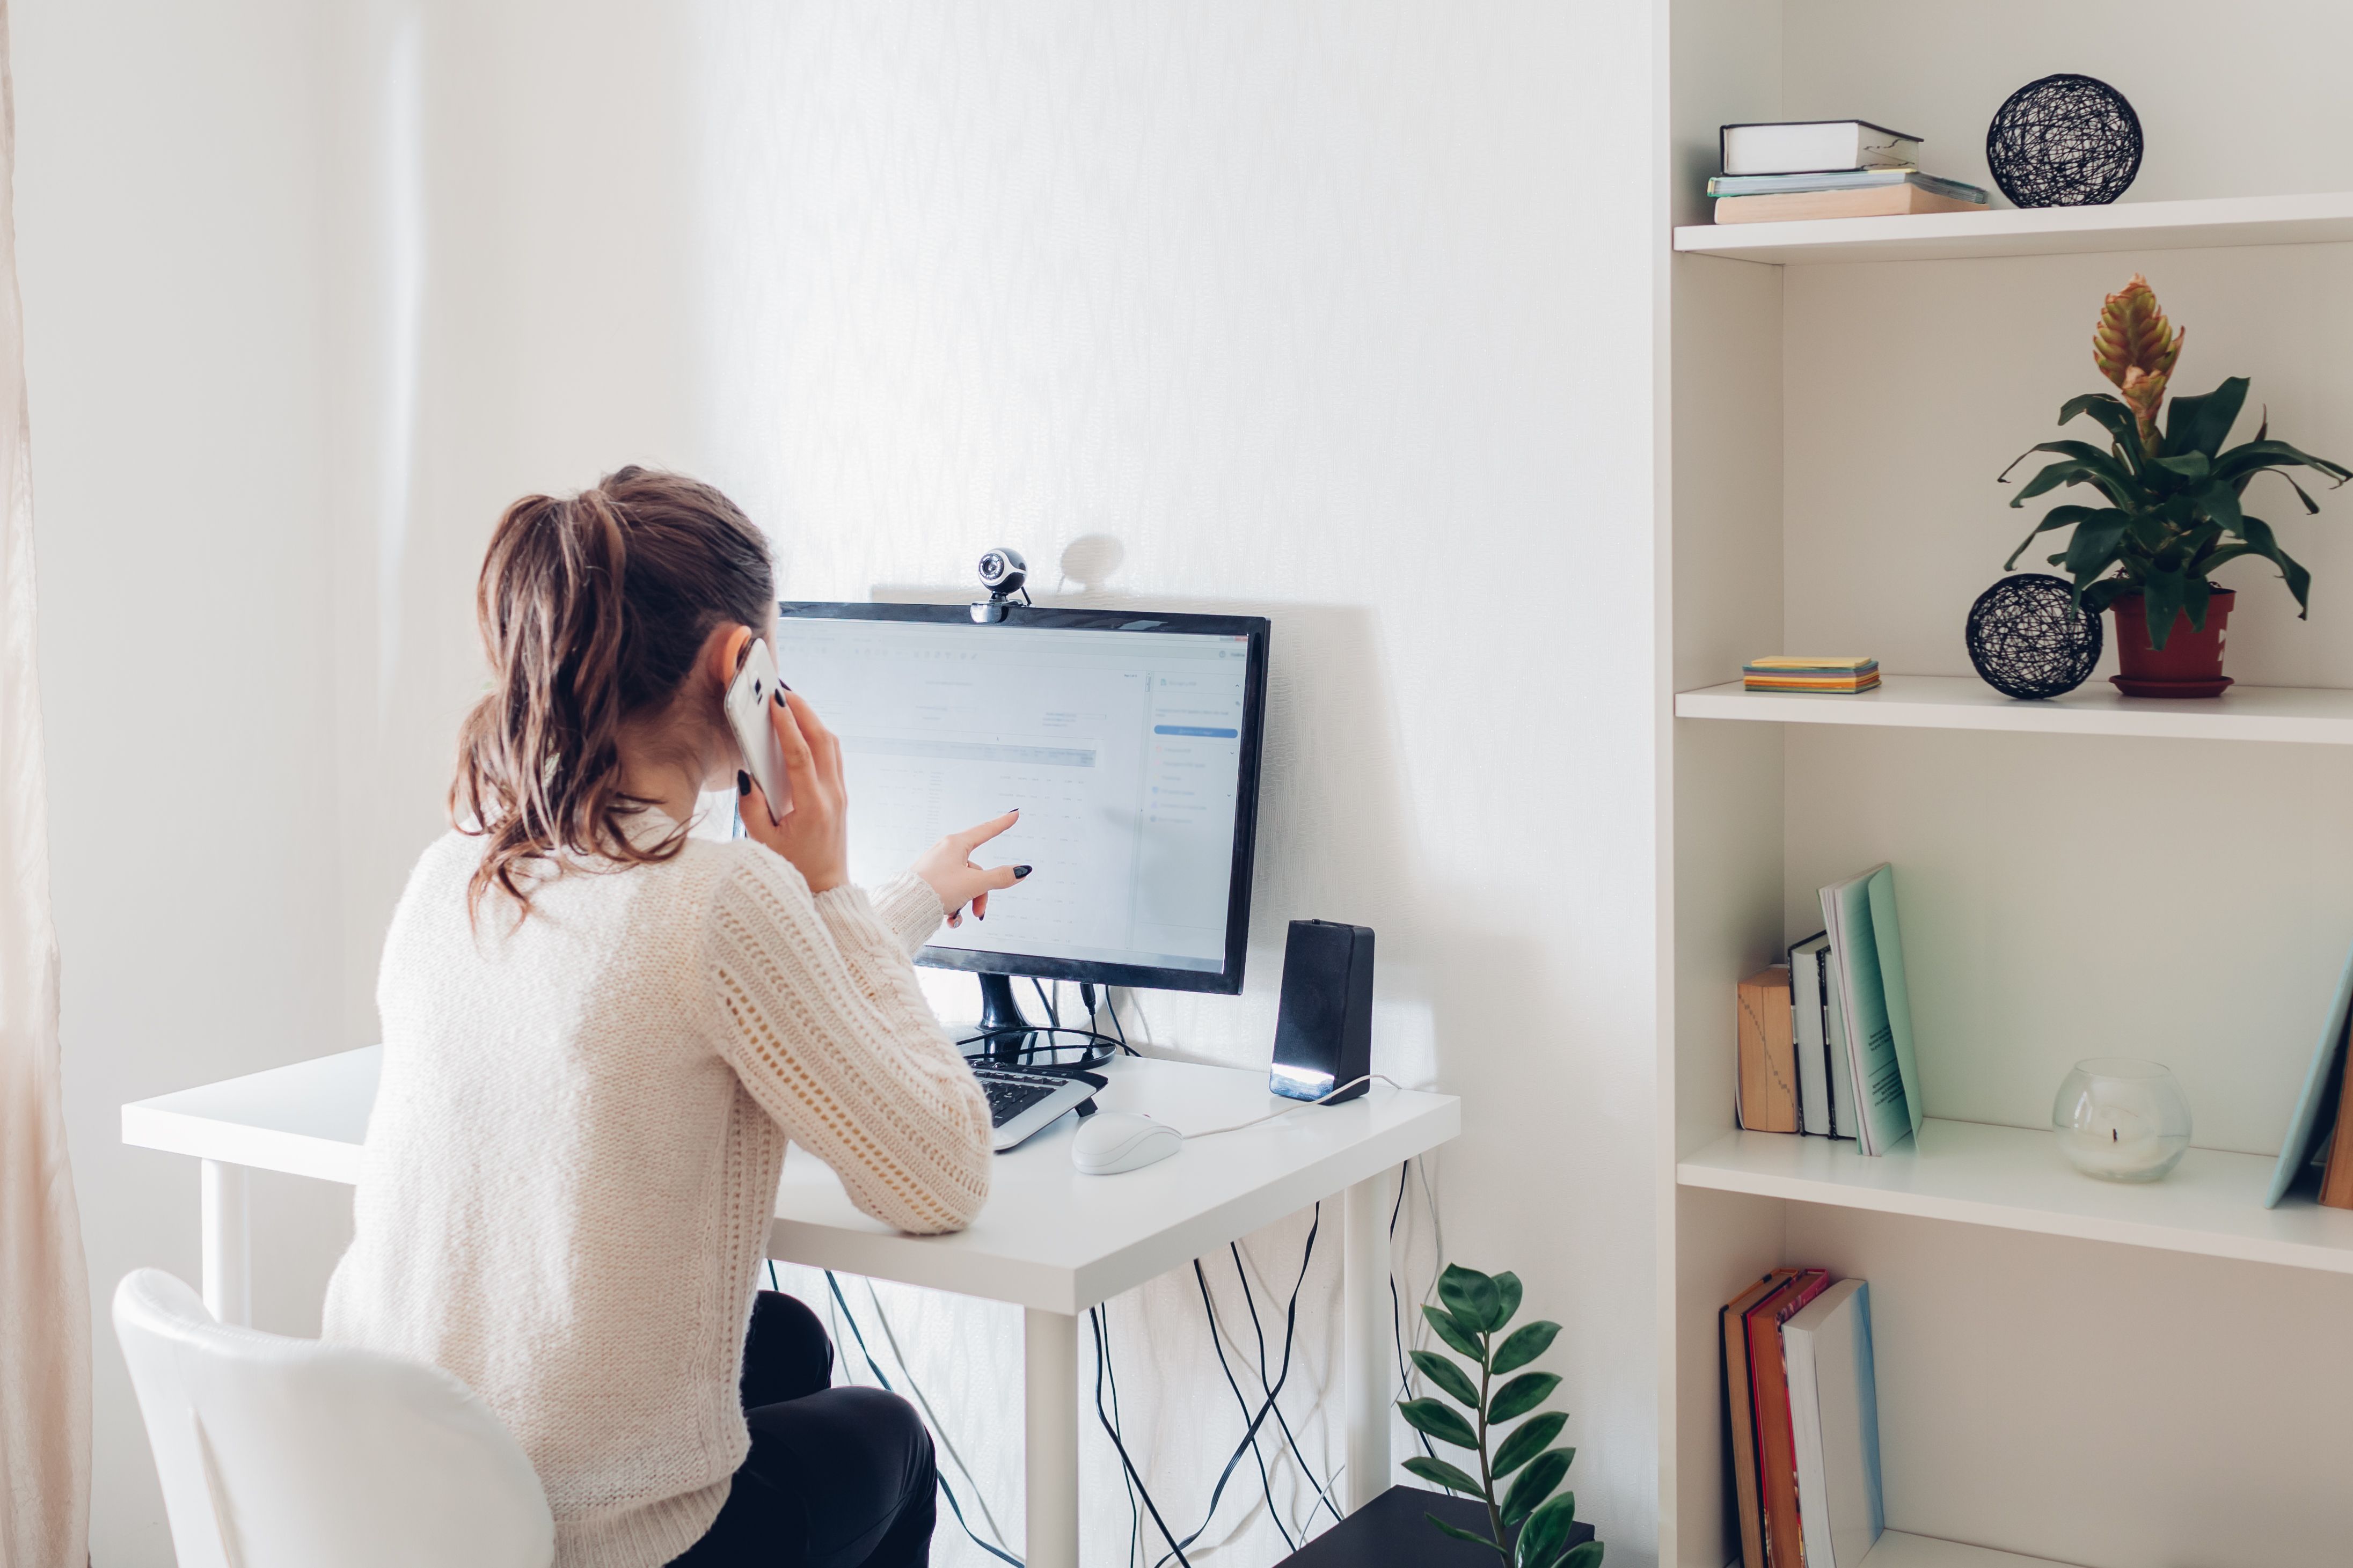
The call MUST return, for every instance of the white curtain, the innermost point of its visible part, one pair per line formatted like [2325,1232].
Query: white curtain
[44,1288]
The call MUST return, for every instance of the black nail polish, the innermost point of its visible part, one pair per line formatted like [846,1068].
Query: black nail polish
[742,782]
[781,689]
[1021,871]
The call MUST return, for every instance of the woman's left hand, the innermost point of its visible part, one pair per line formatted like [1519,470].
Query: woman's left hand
[947,867]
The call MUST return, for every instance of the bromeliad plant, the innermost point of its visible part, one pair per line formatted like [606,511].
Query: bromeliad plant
[2173,512]
[1472,1321]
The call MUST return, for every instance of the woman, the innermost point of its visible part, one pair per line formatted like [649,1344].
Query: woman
[600,1035]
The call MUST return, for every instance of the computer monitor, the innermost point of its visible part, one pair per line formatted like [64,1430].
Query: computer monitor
[1129,739]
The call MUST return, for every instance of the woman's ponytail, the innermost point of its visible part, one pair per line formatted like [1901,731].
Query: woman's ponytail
[592,610]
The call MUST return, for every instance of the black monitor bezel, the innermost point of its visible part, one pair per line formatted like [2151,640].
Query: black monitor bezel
[1227,980]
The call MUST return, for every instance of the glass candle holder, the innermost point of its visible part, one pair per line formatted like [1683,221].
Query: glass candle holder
[2122,1119]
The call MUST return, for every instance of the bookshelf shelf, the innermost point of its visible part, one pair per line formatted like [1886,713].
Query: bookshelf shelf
[2203,224]
[1898,1549]
[2015,1178]
[2312,715]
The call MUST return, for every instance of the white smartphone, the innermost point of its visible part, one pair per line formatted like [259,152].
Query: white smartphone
[750,696]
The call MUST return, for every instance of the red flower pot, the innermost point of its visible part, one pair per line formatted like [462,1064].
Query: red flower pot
[2190,662]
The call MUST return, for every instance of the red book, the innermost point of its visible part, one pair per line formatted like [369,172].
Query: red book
[1776,1442]
[1735,1314]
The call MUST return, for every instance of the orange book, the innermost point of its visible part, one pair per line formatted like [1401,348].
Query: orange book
[1768,1052]
[2337,1177]
[1735,1315]
[1878,201]
[1777,1439]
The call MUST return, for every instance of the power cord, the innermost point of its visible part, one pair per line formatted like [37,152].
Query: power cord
[1250,1300]
[1216,1343]
[946,1491]
[1272,1115]
[1110,1427]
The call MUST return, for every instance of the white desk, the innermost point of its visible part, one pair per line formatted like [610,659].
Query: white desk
[1050,1239]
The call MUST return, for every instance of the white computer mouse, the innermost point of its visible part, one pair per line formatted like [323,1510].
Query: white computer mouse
[1111,1142]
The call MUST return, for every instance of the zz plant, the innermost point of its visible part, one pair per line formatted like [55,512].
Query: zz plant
[2173,510]
[1476,1308]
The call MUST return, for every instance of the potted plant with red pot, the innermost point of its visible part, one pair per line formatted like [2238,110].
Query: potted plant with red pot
[2173,510]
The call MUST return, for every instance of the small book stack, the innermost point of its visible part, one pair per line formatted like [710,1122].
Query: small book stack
[1800,1066]
[1796,672]
[1803,1395]
[1828,168]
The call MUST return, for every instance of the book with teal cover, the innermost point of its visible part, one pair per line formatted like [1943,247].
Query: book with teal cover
[2321,1082]
[1867,967]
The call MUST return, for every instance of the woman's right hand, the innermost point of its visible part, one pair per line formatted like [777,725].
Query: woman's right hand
[815,834]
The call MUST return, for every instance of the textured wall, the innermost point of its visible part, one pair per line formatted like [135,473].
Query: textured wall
[1339,313]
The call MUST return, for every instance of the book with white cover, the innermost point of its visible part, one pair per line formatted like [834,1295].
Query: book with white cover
[1812,1052]
[1842,1102]
[1804,146]
[1834,1418]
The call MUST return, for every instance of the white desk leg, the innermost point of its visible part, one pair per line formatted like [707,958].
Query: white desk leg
[1365,1372]
[229,1257]
[1051,1382]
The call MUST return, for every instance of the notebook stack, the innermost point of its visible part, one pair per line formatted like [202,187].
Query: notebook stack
[1828,168]
[1796,672]
[1802,1392]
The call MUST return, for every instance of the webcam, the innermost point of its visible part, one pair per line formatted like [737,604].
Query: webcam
[1002,572]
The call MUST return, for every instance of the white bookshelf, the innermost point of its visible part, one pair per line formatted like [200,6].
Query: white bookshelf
[2015,1178]
[2210,224]
[1840,397]
[2310,715]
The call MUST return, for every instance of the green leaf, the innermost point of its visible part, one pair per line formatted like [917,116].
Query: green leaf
[1528,1341]
[1534,1485]
[1440,1420]
[2201,423]
[1507,1292]
[2063,517]
[2096,545]
[2221,502]
[1472,1297]
[2310,505]
[1447,1376]
[2112,412]
[2250,456]
[1584,1554]
[1463,1534]
[2192,466]
[2163,593]
[2260,541]
[1533,1436]
[1520,1396]
[1544,1538]
[1445,1475]
[2112,480]
[1464,1340]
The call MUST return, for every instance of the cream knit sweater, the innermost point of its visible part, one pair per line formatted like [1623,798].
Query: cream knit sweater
[575,1151]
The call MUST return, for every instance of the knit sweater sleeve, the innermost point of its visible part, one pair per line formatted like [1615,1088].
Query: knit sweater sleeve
[822,1018]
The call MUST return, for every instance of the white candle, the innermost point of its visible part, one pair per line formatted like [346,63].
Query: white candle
[2111,1140]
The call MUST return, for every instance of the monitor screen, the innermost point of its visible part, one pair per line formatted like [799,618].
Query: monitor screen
[1130,742]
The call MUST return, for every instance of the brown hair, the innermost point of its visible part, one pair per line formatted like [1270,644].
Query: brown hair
[592,610]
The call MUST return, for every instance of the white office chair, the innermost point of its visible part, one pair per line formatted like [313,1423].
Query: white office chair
[279,1453]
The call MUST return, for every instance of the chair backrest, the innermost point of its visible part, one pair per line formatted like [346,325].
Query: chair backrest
[281,1453]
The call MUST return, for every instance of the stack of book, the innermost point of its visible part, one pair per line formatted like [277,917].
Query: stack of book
[1803,1395]
[1828,168]
[1823,1044]
[1798,672]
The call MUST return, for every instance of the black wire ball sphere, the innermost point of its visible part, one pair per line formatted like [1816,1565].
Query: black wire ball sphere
[2064,141]
[2027,638]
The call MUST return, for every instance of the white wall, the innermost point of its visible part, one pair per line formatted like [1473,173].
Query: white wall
[1335,312]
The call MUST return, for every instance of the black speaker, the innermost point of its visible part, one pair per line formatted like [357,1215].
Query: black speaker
[1323,1034]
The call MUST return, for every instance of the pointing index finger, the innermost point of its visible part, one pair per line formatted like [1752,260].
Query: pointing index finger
[973,838]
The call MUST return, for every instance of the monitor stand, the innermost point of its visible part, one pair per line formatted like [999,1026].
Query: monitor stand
[1002,1024]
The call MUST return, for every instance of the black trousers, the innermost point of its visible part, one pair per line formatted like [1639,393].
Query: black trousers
[837,1478]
